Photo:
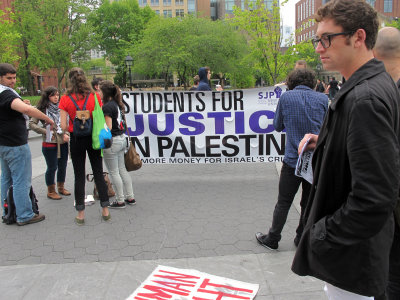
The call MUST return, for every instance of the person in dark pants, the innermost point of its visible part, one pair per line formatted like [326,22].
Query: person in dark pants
[300,110]
[333,88]
[349,222]
[79,146]
[387,49]
[55,143]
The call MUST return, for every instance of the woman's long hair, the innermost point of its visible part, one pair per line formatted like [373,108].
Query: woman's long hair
[78,83]
[111,92]
[44,99]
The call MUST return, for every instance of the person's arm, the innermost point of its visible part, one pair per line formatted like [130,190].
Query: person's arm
[311,144]
[278,119]
[34,125]
[18,105]
[108,121]
[64,120]
[373,155]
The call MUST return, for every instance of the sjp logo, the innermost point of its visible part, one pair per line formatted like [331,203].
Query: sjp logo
[276,93]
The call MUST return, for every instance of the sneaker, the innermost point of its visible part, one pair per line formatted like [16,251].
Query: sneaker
[264,240]
[36,218]
[116,204]
[130,201]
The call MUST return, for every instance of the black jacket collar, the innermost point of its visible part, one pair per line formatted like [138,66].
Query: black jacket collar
[368,70]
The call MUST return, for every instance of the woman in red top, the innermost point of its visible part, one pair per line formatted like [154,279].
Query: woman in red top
[79,89]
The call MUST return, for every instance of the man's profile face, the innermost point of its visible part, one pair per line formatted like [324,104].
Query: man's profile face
[8,80]
[209,75]
[338,56]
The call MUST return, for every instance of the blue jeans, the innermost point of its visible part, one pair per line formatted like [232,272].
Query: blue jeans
[55,164]
[115,163]
[16,170]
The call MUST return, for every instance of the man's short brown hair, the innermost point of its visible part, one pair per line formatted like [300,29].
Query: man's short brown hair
[7,69]
[352,15]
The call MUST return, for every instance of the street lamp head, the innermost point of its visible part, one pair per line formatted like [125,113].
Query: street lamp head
[129,60]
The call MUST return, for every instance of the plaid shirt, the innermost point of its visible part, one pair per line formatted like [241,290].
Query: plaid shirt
[299,111]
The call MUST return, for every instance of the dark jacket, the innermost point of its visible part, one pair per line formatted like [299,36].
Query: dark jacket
[349,215]
[203,84]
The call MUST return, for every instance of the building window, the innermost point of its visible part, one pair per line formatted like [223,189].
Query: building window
[179,2]
[142,2]
[301,11]
[306,9]
[155,2]
[157,11]
[167,13]
[167,2]
[229,6]
[371,2]
[298,13]
[179,13]
[191,6]
[313,6]
[388,6]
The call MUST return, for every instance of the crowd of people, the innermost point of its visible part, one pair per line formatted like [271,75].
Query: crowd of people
[53,119]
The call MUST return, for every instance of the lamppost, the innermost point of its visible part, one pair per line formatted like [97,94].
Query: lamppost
[129,63]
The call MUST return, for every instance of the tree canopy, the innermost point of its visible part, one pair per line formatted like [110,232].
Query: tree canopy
[9,39]
[183,45]
[262,28]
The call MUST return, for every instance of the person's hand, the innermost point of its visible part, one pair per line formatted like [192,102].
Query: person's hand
[311,144]
[66,138]
[50,122]
[27,101]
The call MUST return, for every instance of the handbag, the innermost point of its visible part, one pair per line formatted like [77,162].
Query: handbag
[101,134]
[110,190]
[132,158]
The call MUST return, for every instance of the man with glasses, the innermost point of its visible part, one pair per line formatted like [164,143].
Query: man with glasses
[349,220]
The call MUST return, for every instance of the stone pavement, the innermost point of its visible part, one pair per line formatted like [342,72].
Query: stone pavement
[187,216]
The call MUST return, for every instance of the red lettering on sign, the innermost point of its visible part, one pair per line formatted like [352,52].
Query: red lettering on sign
[159,293]
[220,293]
[177,277]
[176,286]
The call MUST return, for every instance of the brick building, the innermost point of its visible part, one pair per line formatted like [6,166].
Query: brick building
[305,9]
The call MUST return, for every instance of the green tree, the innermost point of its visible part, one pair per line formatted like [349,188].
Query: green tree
[182,45]
[262,28]
[117,27]
[53,33]
[304,50]
[29,26]
[9,39]
[395,23]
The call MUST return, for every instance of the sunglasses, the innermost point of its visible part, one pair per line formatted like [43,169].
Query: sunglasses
[326,39]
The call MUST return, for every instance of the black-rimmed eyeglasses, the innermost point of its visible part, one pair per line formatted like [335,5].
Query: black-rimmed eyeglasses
[325,39]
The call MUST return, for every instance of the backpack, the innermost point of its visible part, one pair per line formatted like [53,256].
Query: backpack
[10,216]
[82,124]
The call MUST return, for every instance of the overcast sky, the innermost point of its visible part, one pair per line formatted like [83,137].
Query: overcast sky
[288,13]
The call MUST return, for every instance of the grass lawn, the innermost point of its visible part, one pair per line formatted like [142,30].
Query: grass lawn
[34,99]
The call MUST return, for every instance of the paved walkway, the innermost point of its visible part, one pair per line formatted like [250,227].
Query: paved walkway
[188,216]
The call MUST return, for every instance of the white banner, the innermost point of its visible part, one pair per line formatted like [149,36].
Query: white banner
[174,127]
[171,283]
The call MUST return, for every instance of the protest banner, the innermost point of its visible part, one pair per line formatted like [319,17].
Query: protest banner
[172,283]
[233,126]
